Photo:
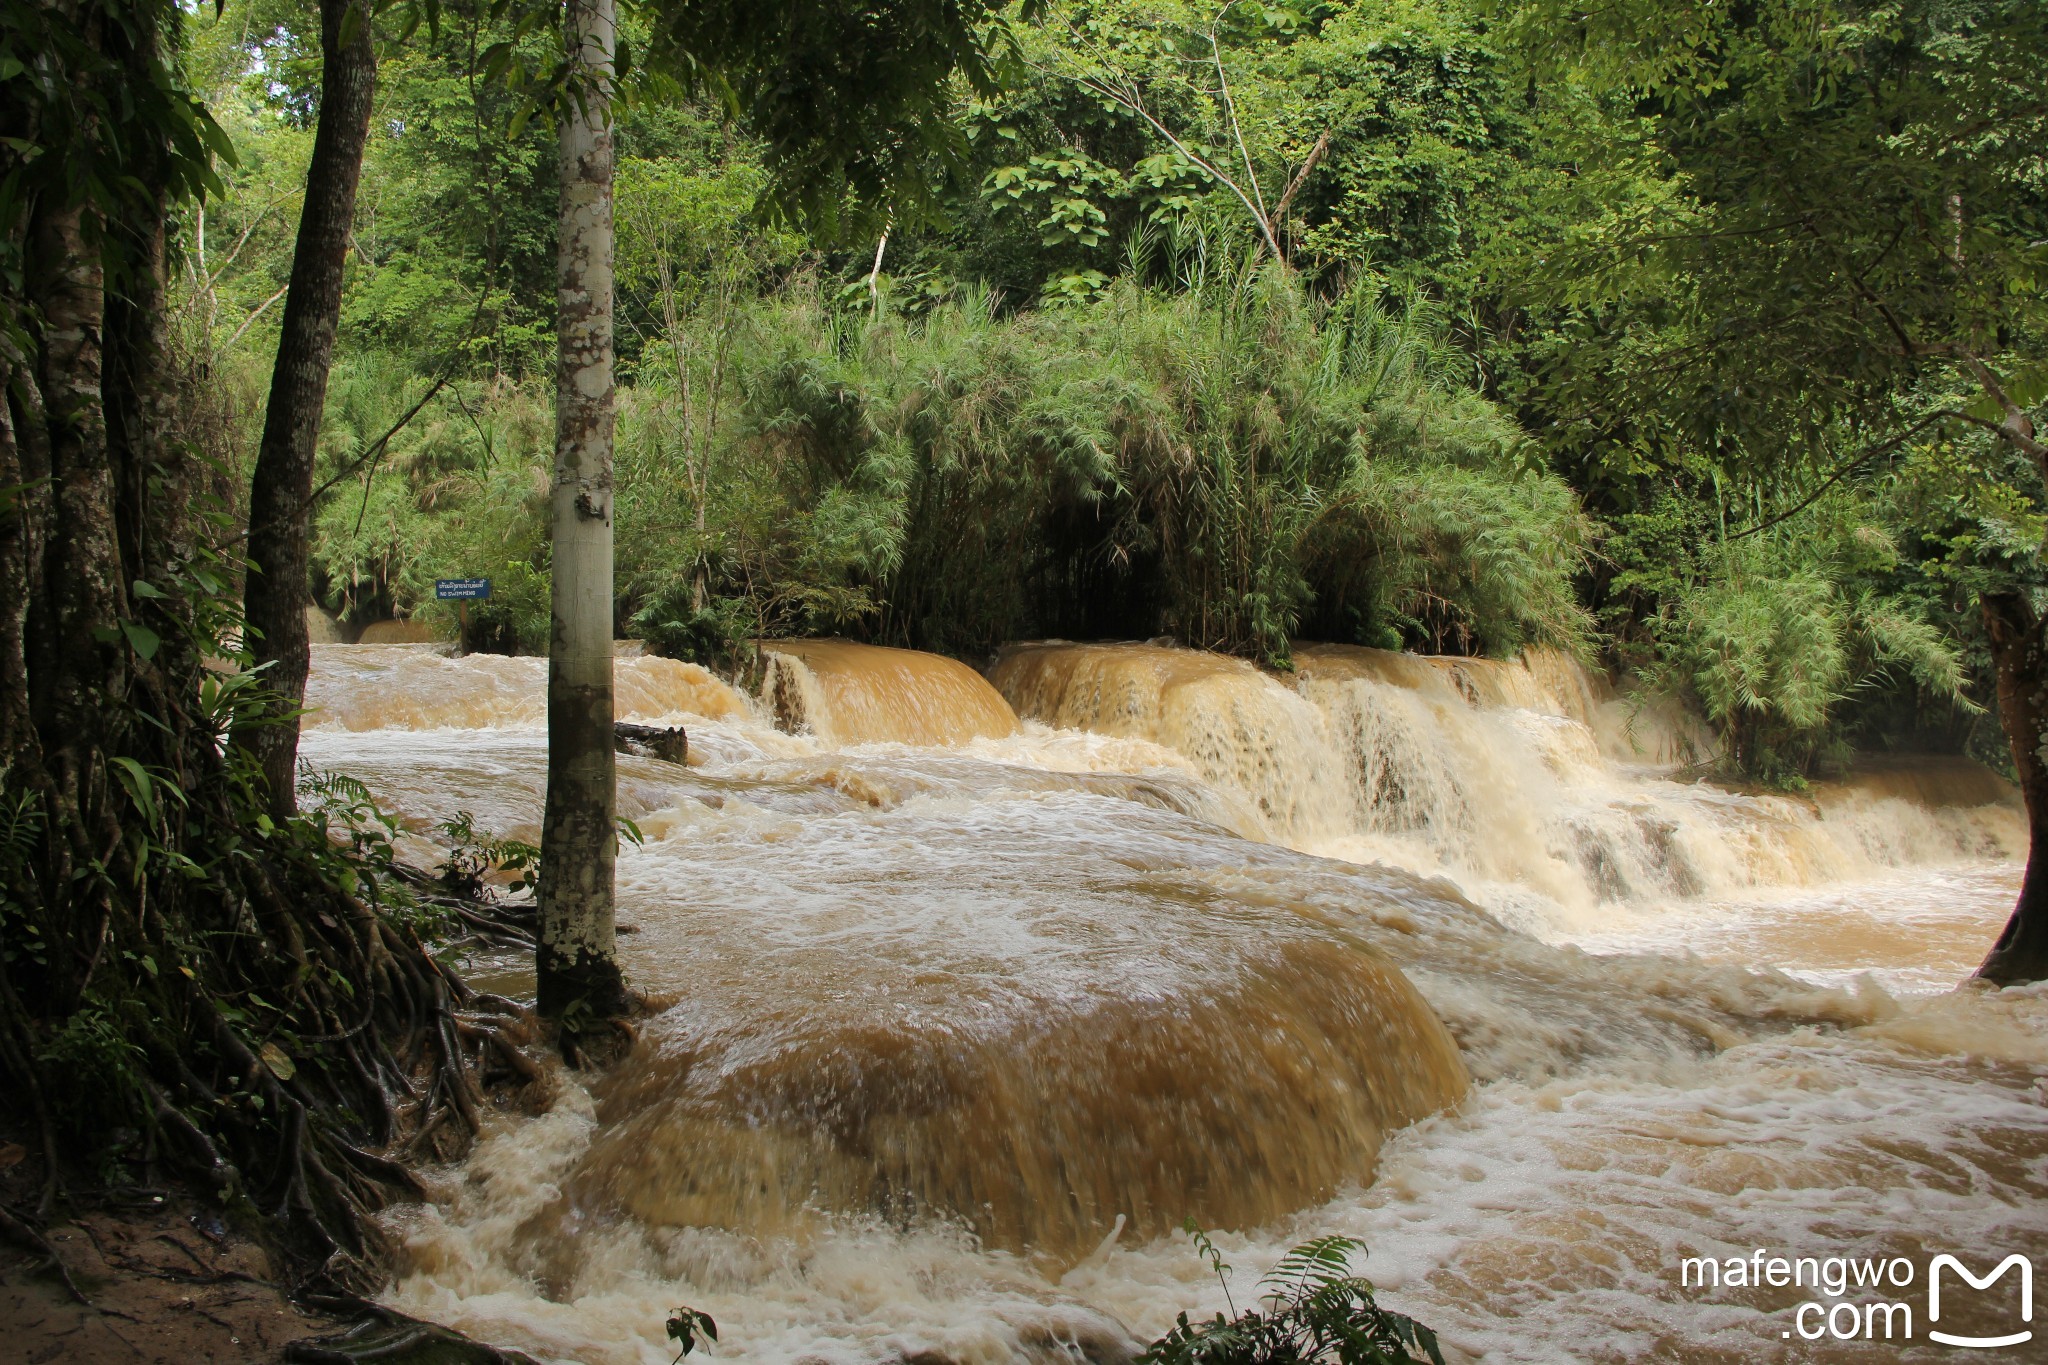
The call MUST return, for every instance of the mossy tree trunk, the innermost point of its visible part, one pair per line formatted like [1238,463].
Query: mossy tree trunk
[578,974]
[231,993]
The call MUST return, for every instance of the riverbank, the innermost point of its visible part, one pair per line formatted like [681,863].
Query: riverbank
[157,1279]
[160,1279]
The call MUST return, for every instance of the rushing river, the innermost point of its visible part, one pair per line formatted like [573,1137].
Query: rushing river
[964,1013]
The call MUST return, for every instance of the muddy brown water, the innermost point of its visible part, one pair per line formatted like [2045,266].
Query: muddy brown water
[983,987]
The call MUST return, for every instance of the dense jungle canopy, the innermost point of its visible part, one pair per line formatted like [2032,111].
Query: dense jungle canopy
[1506,381]
[1704,341]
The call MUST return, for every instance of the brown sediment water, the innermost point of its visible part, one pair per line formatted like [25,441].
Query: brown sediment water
[1031,1119]
[1519,780]
[1238,726]
[399,633]
[846,693]
[423,687]
[1434,953]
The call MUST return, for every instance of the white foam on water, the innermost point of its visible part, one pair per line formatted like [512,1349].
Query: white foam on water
[1545,1222]
[1548,1222]
[1728,1023]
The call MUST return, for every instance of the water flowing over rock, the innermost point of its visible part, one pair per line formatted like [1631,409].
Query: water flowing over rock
[1518,779]
[845,693]
[885,1033]
[420,687]
[967,1012]
[1259,1070]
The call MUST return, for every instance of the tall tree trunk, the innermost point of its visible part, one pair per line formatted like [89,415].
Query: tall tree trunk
[280,495]
[83,675]
[2019,652]
[24,521]
[75,657]
[576,959]
[157,893]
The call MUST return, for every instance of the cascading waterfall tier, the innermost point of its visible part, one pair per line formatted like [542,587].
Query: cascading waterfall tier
[1511,777]
[1235,724]
[1245,1071]
[423,687]
[866,1027]
[846,693]
[952,995]
[990,1000]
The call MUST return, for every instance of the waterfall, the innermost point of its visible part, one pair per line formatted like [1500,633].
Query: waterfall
[1521,780]
[845,693]
[958,1015]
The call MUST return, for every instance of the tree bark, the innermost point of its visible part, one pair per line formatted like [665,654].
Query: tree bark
[81,671]
[280,494]
[77,658]
[24,519]
[2019,652]
[576,956]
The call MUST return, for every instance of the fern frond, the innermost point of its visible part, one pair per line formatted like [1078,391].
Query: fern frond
[1314,1264]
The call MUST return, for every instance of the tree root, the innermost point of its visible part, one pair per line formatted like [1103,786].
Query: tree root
[294,1044]
[599,1047]
[392,1338]
[25,1233]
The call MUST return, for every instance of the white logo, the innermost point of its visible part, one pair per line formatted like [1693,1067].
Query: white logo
[2026,1298]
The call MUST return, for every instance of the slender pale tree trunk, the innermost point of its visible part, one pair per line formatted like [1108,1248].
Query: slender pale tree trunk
[576,960]
[280,494]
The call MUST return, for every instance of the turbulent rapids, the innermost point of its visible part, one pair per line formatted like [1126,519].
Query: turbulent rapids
[980,986]
[1515,778]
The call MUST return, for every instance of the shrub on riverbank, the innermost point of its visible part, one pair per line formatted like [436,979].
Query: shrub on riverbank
[1223,466]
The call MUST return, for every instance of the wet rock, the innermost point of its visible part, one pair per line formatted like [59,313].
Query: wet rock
[671,745]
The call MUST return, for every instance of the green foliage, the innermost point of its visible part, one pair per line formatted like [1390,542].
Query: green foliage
[1766,660]
[887,70]
[1778,260]
[1065,398]
[475,855]
[224,990]
[1775,635]
[88,116]
[689,1326]
[1313,1310]
[102,1065]
[455,232]
[460,492]
[22,936]
[717,634]
[345,811]
[1227,464]
[1781,239]
[1406,111]
[341,829]
[1221,461]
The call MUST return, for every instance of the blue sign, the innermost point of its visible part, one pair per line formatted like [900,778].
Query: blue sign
[463,588]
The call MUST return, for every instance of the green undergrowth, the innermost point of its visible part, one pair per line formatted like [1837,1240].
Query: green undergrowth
[1232,465]
[262,1011]
[1311,1310]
